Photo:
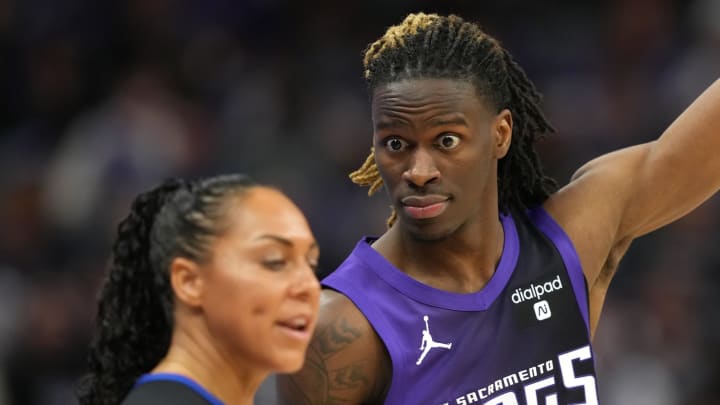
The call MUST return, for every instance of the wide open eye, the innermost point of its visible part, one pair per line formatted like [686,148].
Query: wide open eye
[448,141]
[395,144]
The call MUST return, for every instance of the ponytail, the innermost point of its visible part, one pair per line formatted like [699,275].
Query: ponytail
[134,319]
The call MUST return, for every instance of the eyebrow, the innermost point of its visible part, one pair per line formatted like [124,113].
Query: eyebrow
[390,123]
[448,121]
[434,122]
[284,241]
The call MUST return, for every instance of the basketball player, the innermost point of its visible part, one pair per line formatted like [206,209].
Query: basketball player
[508,272]
[211,289]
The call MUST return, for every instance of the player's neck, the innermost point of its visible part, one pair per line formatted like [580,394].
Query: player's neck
[462,262]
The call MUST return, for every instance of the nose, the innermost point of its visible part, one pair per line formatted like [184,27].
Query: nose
[422,169]
[306,285]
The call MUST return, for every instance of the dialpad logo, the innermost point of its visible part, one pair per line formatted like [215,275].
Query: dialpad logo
[536,291]
[542,301]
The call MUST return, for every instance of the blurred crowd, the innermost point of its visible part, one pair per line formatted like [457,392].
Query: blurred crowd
[101,99]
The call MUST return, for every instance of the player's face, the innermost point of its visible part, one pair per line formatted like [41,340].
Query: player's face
[436,147]
[261,294]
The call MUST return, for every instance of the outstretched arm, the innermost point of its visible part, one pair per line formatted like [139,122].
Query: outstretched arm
[346,362]
[680,170]
[628,193]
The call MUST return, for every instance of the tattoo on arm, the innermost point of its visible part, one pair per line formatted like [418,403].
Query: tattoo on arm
[349,377]
[319,385]
[336,337]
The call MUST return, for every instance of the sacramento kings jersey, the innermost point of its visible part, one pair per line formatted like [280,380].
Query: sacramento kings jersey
[522,339]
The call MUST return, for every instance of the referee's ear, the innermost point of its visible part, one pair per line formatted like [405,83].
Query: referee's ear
[186,281]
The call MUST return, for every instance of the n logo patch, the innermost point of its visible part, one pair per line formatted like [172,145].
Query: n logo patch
[542,310]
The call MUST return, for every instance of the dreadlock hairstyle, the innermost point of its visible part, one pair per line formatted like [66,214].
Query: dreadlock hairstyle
[135,314]
[447,47]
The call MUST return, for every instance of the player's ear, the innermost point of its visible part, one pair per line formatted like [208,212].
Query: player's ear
[187,281]
[502,132]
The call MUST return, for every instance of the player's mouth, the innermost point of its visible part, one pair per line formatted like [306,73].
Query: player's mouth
[425,206]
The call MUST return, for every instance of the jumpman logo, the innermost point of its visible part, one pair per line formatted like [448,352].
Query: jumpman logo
[428,342]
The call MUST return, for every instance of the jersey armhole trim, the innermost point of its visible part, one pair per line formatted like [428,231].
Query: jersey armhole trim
[547,225]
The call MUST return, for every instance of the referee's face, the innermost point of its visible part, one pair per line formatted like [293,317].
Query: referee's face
[260,292]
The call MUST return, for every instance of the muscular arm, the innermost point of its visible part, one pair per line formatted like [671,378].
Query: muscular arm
[346,362]
[628,193]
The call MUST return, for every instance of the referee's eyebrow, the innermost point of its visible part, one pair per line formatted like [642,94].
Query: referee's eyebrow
[284,241]
[276,238]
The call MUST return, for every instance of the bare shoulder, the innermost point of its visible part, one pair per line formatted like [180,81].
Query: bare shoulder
[592,210]
[345,363]
[633,191]
[592,206]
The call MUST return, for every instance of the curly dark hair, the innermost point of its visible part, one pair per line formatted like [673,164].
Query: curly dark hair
[135,313]
[448,47]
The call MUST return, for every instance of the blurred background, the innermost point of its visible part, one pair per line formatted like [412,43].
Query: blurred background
[102,99]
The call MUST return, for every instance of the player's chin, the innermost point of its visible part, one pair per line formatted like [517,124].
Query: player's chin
[429,231]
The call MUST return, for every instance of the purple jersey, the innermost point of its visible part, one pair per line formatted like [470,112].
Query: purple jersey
[522,339]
